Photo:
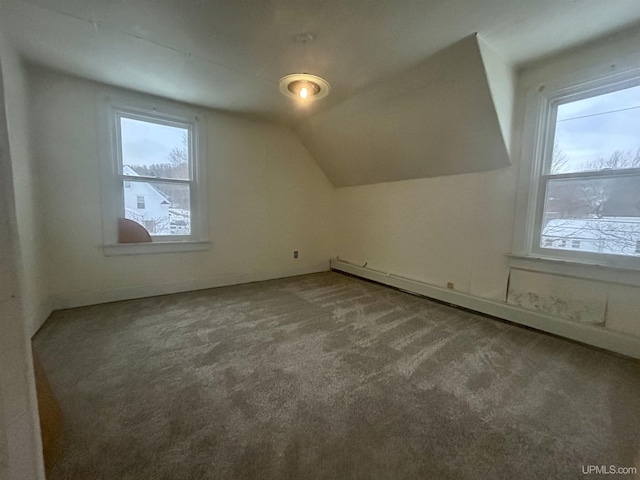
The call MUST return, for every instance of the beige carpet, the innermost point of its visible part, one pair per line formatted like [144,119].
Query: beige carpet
[329,377]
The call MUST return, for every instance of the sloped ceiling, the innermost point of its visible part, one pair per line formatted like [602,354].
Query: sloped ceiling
[435,119]
[397,109]
[230,54]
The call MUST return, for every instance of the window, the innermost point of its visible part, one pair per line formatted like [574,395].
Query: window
[584,182]
[153,175]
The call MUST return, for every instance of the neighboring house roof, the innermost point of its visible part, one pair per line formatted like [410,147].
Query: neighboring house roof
[615,235]
[129,171]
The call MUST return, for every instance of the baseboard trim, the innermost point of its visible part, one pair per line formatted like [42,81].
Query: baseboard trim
[589,334]
[84,298]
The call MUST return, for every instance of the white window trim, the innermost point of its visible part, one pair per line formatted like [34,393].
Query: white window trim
[537,144]
[159,247]
[109,105]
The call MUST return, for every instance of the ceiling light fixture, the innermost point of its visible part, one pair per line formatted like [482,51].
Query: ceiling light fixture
[304,86]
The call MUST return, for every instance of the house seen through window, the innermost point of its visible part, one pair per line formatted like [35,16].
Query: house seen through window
[153,176]
[156,172]
[591,177]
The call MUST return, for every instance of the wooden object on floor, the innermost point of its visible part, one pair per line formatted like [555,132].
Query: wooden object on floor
[50,416]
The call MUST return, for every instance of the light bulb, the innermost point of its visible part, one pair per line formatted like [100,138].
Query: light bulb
[304,92]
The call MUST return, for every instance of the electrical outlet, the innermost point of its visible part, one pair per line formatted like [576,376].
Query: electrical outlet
[450,285]
[295,254]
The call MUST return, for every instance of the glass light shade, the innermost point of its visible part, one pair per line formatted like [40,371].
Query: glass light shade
[304,86]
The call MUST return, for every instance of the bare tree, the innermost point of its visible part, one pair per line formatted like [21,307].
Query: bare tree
[604,234]
[596,192]
[179,158]
[584,206]
[154,225]
[617,161]
[179,168]
[559,160]
[176,166]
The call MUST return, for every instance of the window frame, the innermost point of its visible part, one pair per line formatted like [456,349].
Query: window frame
[111,108]
[540,112]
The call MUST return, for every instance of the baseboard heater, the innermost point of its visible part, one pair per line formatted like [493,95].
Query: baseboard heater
[590,334]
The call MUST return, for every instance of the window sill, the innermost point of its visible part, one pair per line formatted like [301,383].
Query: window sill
[154,247]
[577,269]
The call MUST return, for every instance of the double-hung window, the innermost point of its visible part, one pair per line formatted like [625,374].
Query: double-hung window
[153,177]
[584,184]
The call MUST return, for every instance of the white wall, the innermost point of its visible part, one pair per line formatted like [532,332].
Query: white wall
[267,198]
[459,228]
[454,228]
[32,273]
[436,230]
[20,446]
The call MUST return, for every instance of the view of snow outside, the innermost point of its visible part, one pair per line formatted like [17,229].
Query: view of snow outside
[160,151]
[597,214]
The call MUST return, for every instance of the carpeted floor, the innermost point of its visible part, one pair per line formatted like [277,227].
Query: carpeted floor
[327,376]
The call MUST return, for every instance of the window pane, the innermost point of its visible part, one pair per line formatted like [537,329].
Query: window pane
[161,208]
[155,150]
[598,133]
[598,215]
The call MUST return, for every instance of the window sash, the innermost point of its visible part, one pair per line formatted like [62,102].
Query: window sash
[624,172]
[112,107]
[190,184]
[159,119]
[138,178]
[543,126]
[537,246]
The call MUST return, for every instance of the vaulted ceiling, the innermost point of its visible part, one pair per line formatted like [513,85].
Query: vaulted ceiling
[229,54]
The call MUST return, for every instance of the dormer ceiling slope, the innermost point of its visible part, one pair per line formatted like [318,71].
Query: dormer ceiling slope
[438,118]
